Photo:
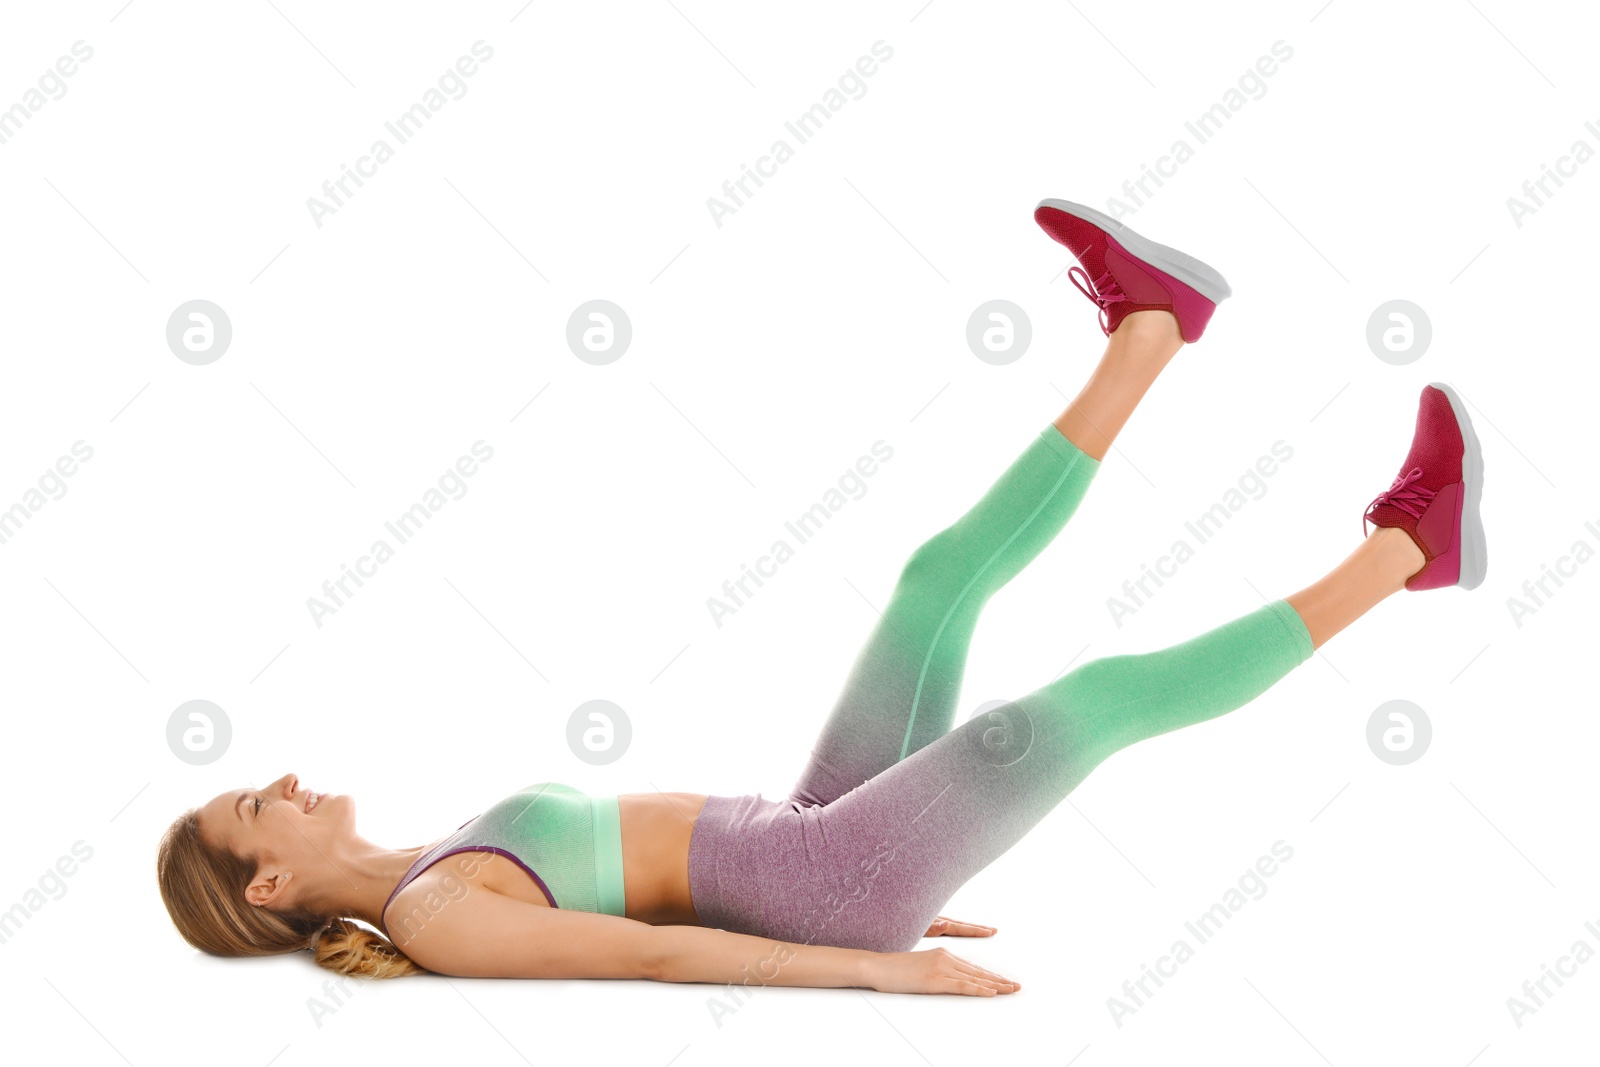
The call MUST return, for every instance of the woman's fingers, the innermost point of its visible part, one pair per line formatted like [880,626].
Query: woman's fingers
[972,972]
[935,970]
[972,989]
[989,976]
[982,988]
[943,927]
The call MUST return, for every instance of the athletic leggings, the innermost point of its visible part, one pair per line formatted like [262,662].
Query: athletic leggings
[895,810]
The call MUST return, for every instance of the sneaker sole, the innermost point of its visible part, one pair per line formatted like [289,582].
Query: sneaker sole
[1202,277]
[1474,549]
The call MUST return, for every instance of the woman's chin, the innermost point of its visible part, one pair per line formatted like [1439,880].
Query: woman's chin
[335,807]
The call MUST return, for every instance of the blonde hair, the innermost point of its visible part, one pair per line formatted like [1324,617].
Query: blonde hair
[203,887]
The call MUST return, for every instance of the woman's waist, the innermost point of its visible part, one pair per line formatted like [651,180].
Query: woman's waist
[656,830]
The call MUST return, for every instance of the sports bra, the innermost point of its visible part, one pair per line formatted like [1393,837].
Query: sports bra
[569,843]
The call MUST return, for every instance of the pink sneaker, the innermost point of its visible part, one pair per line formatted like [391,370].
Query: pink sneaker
[1123,272]
[1435,498]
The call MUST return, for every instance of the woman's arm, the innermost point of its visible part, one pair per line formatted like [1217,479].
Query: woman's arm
[694,954]
[490,935]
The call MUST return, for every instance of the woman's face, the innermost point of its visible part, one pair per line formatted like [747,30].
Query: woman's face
[293,833]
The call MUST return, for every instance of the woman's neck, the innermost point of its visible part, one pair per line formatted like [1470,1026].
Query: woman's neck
[364,877]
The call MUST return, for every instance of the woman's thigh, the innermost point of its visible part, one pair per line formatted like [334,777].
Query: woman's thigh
[874,867]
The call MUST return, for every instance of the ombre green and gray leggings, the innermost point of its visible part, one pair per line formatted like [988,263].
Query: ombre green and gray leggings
[895,810]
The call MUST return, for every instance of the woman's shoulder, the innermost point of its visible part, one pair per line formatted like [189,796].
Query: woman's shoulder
[459,883]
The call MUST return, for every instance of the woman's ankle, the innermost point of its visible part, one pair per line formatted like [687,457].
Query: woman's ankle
[1396,553]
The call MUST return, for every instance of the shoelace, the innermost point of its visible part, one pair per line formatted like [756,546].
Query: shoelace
[1404,494]
[1103,291]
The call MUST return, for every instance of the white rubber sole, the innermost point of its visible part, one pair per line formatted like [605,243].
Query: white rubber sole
[1203,277]
[1474,549]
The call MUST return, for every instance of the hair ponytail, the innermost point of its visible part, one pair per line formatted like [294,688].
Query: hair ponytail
[349,948]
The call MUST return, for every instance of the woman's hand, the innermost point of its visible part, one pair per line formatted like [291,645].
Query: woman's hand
[935,970]
[943,927]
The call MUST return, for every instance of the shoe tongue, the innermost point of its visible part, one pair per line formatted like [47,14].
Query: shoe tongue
[1389,515]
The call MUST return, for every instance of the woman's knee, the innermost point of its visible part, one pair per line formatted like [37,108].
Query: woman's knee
[1092,703]
[924,560]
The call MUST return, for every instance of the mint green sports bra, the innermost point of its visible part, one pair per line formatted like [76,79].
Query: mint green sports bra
[569,843]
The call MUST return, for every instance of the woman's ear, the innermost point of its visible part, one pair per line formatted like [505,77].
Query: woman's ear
[268,887]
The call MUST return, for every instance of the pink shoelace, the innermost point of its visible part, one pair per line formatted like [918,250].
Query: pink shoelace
[1103,291]
[1405,494]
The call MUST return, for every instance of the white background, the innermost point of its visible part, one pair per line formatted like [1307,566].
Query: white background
[829,312]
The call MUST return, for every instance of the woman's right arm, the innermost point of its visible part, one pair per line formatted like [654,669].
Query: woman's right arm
[486,934]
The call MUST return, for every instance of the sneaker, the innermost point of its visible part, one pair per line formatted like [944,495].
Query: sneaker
[1436,496]
[1123,272]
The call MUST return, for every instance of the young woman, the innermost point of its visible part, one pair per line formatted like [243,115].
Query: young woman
[834,885]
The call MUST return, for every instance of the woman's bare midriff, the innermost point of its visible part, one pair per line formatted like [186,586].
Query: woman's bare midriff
[655,855]
[655,864]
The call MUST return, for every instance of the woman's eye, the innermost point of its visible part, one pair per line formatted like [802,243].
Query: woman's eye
[258,805]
